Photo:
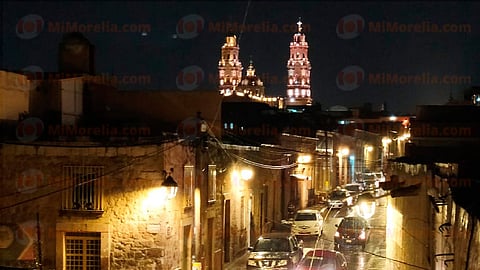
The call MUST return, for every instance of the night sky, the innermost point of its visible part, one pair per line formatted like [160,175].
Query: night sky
[425,51]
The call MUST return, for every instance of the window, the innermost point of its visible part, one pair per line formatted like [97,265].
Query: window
[188,182]
[305,216]
[212,183]
[84,187]
[82,251]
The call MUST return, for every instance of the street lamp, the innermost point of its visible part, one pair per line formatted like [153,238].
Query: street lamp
[169,184]
[343,166]
[366,159]
[246,174]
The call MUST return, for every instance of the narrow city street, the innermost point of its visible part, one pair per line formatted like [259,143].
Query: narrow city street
[372,258]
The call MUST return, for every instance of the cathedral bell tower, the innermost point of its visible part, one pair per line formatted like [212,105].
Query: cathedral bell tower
[229,67]
[298,67]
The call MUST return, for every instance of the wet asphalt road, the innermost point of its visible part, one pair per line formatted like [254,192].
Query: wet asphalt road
[372,258]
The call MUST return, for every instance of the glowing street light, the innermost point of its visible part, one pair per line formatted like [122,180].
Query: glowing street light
[304,159]
[246,174]
[343,152]
[170,185]
[365,209]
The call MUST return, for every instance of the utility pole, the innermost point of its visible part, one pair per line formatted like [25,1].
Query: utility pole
[199,191]
[39,244]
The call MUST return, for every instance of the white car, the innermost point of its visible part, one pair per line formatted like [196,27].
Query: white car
[307,222]
[339,197]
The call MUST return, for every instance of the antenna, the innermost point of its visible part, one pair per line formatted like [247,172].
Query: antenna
[243,23]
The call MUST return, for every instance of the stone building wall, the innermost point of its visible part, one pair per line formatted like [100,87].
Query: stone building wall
[420,234]
[466,240]
[14,95]
[138,231]
[409,228]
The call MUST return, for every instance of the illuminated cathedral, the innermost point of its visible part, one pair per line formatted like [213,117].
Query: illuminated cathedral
[232,83]
[298,66]
[229,67]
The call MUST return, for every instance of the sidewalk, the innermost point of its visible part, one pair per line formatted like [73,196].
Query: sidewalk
[238,263]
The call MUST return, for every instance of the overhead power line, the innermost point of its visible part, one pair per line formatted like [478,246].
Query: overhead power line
[111,172]
[265,166]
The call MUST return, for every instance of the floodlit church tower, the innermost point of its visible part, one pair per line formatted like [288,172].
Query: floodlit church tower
[298,66]
[229,66]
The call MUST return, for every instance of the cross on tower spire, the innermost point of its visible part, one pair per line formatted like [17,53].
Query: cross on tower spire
[299,23]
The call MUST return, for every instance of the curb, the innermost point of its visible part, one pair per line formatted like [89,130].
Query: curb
[237,263]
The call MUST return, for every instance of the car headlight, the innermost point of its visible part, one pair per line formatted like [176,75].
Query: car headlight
[362,235]
[282,263]
[337,234]
[252,263]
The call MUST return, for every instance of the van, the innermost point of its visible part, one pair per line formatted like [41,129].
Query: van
[307,222]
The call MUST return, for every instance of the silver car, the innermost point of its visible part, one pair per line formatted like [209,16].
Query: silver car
[338,198]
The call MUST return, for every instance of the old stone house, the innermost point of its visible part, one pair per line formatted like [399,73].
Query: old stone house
[102,207]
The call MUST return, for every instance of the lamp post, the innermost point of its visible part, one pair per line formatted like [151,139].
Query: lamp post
[342,164]
[366,159]
[200,190]
[385,151]
[170,184]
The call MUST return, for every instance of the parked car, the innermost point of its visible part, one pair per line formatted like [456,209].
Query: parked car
[307,222]
[339,197]
[352,231]
[371,180]
[354,189]
[278,250]
[323,259]
[366,197]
